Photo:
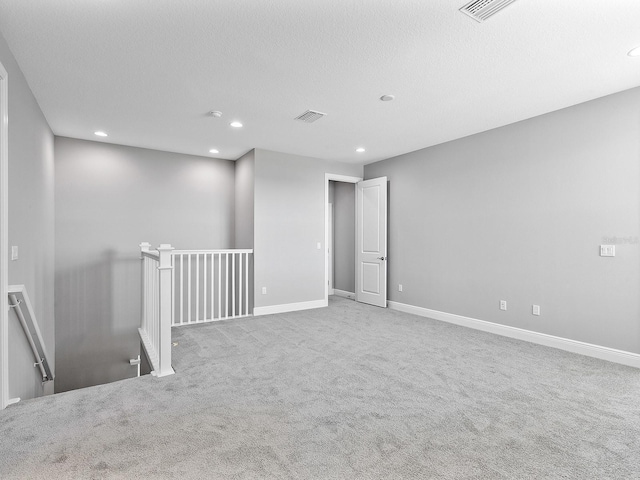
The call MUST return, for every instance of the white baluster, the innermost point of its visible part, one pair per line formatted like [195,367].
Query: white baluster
[181,289]
[240,256]
[197,287]
[204,288]
[233,284]
[189,289]
[173,285]
[211,297]
[219,285]
[226,282]
[246,286]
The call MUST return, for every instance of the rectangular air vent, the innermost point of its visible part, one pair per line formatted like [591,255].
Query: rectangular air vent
[310,116]
[480,10]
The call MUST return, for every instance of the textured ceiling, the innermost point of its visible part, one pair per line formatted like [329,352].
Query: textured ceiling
[148,71]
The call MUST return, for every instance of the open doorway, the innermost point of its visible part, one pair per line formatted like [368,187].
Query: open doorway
[341,245]
[336,263]
[368,215]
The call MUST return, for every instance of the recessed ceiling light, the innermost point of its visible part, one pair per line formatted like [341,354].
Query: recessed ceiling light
[634,52]
[387,98]
[360,150]
[213,150]
[100,134]
[236,124]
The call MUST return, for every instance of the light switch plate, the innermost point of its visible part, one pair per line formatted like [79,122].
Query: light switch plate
[607,250]
[14,252]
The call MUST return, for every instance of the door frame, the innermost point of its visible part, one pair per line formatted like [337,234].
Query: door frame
[327,178]
[4,238]
[330,242]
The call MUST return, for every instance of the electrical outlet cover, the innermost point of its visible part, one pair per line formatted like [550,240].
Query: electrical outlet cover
[607,250]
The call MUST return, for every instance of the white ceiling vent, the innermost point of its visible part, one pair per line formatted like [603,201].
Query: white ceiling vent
[480,10]
[310,116]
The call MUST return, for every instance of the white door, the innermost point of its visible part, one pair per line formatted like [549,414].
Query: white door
[371,241]
[330,247]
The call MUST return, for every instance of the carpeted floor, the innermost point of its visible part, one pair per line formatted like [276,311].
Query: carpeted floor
[347,392]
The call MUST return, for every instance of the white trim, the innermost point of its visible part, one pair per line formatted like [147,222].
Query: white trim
[340,178]
[193,252]
[4,239]
[289,307]
[590,350]
[327,178]
[329,247]
[344,293]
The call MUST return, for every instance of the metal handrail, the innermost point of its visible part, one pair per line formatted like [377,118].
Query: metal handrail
[17,298]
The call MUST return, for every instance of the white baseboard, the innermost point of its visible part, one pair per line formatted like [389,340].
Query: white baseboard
[604,353]
[344,293]
[288,307]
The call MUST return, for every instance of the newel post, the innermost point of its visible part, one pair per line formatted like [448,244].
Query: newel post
[144,247]
[165,271]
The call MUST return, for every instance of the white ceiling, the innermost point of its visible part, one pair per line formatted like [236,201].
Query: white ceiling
[148,71]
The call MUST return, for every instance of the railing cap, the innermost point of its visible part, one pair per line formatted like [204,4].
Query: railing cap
[231,250]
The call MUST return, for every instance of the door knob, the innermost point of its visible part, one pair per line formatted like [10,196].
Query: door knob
[382,258]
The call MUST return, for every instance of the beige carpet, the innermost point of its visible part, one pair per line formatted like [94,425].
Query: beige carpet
[347,392]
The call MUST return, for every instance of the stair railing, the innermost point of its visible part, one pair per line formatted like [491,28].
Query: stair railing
[19,301]
[184,287]
[211,285]
[157,307]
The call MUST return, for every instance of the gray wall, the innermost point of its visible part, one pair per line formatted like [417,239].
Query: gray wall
[344,242]
[109,198]
[289,222]
[31,183]
[518,213]
[244,172]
